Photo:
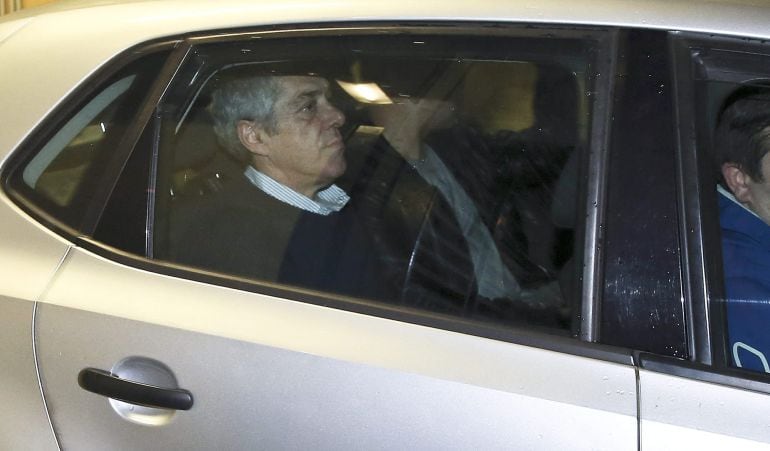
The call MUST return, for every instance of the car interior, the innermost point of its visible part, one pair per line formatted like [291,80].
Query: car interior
[535,126]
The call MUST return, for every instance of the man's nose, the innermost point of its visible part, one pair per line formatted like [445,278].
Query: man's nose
[335,117]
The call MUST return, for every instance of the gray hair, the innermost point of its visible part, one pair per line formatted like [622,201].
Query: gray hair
[245,98]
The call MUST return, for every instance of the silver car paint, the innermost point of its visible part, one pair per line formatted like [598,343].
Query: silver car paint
[679,413]
[268,373]
[32,86]
[29,256]
[23,420]
[91,283]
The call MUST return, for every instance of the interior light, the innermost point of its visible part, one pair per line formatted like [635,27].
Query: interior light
[365,92]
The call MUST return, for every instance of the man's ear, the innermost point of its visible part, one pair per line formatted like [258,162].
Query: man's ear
[738,182]
[252,136]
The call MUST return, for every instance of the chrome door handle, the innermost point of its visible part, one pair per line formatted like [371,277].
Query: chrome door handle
[106,384]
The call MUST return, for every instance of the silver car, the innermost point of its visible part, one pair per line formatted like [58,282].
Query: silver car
[527,254]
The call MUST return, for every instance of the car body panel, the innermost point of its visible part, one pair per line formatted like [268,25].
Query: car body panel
[134,294]
[23,418]
[8,29]
[292,375]
[29,256]
[678,412]
[29,253]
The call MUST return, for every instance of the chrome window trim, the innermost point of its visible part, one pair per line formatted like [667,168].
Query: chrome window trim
[596,190]
[730,377]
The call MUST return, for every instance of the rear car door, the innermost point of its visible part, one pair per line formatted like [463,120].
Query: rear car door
[139,350]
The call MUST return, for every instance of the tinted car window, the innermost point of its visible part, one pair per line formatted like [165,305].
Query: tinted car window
[462,165]
[740,145]
[67,173]
[732,98]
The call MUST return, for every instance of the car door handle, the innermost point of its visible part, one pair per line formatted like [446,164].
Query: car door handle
[106,384]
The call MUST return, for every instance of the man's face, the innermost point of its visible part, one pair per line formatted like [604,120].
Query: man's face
[757,196]
[305,150]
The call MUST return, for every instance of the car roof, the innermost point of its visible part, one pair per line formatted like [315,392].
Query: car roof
[741,17]
[47,51]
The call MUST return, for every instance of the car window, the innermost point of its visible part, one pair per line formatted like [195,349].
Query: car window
[57,170]
[437,173]
[428,171]
[740,144]
[66,173]
[732,92]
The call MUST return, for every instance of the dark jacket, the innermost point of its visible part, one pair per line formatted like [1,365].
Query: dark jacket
[415,226]
[746,262]
[241,230]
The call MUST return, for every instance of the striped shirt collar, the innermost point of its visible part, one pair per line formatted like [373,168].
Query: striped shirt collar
[326,201]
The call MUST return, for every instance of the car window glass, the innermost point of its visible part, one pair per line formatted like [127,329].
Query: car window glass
[437,173]
[84,131]
[64,175]
[740,141]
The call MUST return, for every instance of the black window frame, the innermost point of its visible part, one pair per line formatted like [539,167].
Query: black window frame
[699,59]
[642,305]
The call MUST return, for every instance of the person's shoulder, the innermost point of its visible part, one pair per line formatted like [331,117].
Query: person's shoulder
[740,227]
[236,205]
[222,229]
[727,205]
[746,262]
[745,251]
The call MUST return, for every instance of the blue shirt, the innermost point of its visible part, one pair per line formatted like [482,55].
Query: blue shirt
[746,261]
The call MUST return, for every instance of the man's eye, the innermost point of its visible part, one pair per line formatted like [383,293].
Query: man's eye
[309,107]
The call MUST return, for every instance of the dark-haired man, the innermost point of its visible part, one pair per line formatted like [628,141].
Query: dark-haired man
[742,143]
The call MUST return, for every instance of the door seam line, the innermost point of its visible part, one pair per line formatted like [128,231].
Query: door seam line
[34,345]
[638,409]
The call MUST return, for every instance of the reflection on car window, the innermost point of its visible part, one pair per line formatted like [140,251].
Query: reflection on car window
[58,168]
[64,174]
[741,146]
[435,179]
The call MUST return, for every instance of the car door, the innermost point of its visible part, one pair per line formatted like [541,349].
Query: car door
[273,373]
[138,350]
[27,265]
[706,401]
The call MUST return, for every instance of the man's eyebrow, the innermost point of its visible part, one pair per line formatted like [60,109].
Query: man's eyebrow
[311,93]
